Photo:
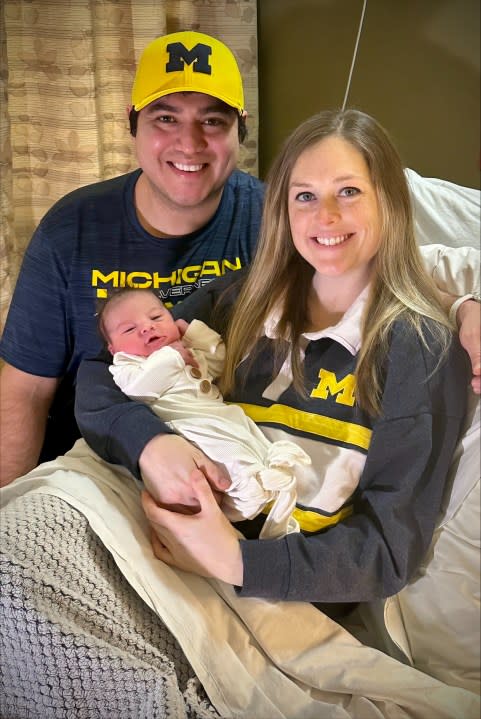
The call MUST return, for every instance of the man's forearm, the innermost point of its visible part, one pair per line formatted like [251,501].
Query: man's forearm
[116,427]
[24,406]
[19,450]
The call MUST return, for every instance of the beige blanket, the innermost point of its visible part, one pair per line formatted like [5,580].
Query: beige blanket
[268,660]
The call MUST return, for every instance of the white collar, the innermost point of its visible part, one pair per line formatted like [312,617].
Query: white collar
[347,331]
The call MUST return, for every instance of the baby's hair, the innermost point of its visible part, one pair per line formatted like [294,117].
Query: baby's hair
[114,295]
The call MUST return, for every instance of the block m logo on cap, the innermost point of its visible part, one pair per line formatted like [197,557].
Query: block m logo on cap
[198,57]
[187,62]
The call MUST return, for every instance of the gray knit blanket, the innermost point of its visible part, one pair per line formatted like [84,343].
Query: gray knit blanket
[76,639]
[113,658]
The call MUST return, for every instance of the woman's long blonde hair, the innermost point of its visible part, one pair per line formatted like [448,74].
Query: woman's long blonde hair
[280,278]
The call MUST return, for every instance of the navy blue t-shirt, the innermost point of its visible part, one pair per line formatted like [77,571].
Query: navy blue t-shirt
[91,241]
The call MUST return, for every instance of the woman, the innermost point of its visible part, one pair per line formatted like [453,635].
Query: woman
[337,339]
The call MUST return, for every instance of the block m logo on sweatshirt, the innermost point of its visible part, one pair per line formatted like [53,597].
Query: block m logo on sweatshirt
[329,385]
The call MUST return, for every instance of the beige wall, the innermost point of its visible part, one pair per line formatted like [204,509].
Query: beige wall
[417,72]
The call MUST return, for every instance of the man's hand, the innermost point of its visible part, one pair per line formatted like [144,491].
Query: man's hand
[469,322]
[204,543]
[167,463]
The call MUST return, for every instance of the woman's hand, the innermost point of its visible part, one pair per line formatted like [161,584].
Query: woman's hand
[204,543]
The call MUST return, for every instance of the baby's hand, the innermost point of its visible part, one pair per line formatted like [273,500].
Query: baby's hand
[182,325]
[185,353]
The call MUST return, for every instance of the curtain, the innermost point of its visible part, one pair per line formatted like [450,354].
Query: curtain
[67,68]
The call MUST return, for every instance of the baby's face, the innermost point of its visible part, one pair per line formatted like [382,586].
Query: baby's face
[138,323]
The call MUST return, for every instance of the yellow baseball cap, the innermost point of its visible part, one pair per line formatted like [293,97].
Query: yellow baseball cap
[187,62]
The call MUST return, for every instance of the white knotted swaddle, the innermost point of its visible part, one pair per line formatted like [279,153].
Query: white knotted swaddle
[272,483]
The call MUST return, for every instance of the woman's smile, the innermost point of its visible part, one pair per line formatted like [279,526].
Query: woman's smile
[333,241]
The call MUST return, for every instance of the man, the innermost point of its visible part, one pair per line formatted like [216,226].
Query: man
[185,217]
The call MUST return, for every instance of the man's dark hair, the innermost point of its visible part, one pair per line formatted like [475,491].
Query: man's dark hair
[241,128]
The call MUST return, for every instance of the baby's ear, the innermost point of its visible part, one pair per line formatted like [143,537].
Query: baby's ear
[109,347]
